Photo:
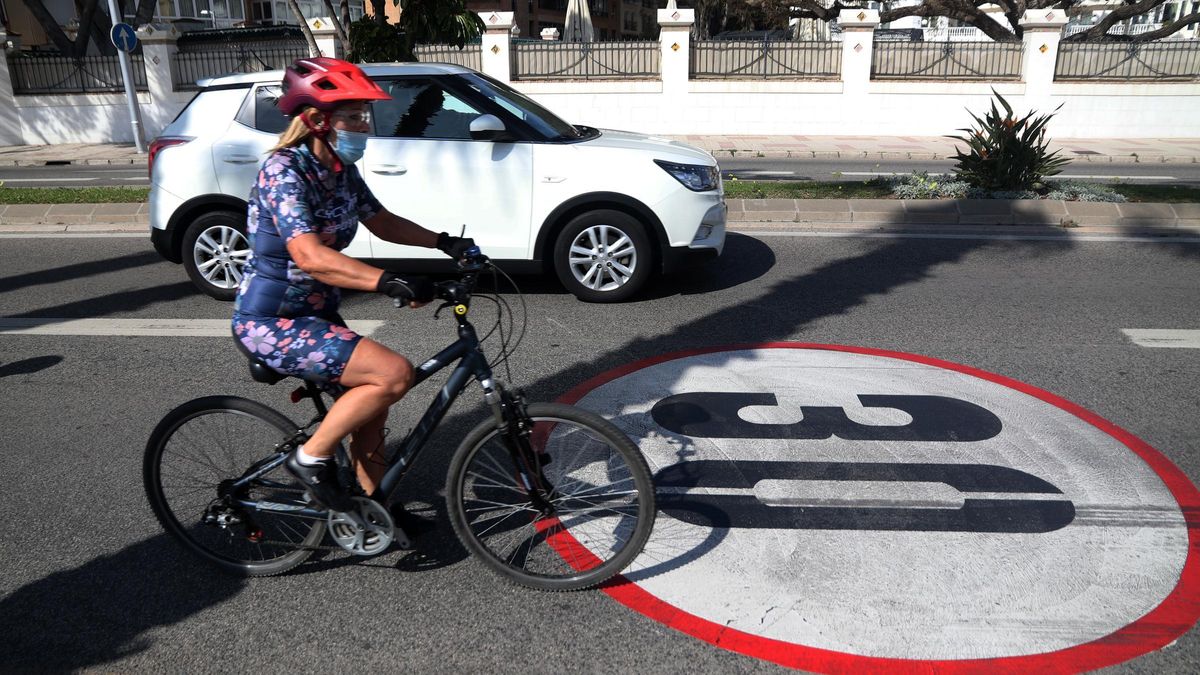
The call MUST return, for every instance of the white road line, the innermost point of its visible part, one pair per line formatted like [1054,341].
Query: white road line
[141,327]
[988,237]
[762,173]
[1065,175]
[1164,337]
[141,234]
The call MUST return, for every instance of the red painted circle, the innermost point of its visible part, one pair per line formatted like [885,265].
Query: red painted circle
[1173,617]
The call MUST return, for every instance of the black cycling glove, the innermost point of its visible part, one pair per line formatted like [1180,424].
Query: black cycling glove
[454,247]
[408,289]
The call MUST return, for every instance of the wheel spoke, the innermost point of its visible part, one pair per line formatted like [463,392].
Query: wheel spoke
[206,244]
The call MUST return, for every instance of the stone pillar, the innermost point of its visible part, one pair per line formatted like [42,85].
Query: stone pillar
[497,45]
[326,37]
[1042,32]
[858,45]
[676,48]
[158,52]
[10,121]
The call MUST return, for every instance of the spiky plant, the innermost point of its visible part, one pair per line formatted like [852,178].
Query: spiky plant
[1006,153]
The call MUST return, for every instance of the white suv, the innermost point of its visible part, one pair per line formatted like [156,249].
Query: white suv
[452,148]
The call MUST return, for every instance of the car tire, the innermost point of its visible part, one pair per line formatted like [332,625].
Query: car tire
[215,249]
[587,264]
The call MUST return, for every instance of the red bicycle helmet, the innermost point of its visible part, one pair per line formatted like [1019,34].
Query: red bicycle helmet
[325,83]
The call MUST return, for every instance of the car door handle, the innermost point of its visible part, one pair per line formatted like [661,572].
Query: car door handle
[390,169]
[240,159]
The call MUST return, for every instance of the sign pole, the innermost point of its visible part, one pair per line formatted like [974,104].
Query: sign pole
[135,113]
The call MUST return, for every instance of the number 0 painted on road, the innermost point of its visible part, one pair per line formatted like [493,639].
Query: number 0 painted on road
[839,508]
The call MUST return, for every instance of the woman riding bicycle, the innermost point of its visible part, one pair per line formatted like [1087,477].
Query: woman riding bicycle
[304,208]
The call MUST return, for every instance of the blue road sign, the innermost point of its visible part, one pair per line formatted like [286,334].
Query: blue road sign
[123,37]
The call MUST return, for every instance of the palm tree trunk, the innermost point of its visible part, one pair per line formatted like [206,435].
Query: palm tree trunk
[313,50]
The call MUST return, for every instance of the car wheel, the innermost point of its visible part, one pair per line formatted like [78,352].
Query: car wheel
[215,250]
[603,256]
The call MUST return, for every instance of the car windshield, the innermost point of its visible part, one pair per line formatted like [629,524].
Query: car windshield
[520,105]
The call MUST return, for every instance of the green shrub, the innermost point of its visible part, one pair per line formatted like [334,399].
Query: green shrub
[1083,192]
[918,185]
[1006,153]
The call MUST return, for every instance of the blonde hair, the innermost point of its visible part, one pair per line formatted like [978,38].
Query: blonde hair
[296,133]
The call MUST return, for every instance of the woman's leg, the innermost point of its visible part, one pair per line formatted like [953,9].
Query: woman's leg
[376,377]
[367,451]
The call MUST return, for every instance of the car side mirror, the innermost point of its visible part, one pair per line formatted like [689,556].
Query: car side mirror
[488,128]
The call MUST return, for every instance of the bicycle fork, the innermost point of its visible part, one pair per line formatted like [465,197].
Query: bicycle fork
[515,428]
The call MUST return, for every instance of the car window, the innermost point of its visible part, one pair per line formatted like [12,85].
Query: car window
[259,112]
[266,115]
[420,108]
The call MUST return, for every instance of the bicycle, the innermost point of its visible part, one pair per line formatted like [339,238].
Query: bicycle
[548,495]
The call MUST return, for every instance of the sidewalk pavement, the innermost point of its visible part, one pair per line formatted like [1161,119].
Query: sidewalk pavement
[1108,150]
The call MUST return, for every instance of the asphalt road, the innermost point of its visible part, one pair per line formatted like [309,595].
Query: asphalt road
[90,581]
[744,168]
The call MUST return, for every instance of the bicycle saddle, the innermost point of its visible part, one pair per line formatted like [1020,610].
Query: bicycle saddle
[261,373]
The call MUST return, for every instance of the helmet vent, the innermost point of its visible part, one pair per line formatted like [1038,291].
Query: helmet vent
[326,85]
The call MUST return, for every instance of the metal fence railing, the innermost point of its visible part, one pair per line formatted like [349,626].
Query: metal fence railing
[947,60]
[766,59]
[470,56]
[69,75]
[1105,60]
[553,60]
[187,67]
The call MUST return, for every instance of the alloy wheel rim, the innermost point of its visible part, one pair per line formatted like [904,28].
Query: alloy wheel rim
[220,255]
[602,258]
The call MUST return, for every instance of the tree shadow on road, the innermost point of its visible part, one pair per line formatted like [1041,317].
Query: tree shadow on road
[102,610]
[78,271]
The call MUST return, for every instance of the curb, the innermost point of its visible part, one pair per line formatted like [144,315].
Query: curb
[748,213]
[734,153]
[66,162]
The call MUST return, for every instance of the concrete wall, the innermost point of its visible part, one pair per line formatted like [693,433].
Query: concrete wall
[673,104]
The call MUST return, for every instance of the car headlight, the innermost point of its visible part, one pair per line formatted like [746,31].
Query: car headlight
[695,177]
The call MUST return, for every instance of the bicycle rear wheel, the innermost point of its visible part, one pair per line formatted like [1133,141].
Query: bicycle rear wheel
[601,501]
[197,450]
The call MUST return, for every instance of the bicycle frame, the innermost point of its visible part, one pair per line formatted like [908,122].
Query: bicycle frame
[471,363]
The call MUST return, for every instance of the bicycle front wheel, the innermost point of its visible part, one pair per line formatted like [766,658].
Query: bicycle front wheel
[194,454]
[596,515]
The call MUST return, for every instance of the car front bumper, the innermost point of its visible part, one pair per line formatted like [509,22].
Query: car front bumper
[707,243]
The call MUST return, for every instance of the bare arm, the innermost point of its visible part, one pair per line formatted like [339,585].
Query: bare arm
[391,227]
[331,267]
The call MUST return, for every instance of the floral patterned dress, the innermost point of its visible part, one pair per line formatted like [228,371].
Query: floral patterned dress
[283,316]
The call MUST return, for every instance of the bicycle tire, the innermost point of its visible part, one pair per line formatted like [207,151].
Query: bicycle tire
[244,431]
[571,553]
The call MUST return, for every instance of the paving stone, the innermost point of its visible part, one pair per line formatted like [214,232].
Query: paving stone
[984,207]
[71,210]
[1091,209]
[755,205]
[1186,210]
[1138,210]
[994,219]
[25,211]
[122,209]
[824,205]
[751,216]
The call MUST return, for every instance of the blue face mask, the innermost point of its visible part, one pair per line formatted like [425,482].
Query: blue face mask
[350,145]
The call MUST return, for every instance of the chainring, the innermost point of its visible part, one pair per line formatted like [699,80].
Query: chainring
[368,530]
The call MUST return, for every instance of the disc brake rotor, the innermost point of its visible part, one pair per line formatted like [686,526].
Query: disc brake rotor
[365,531]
